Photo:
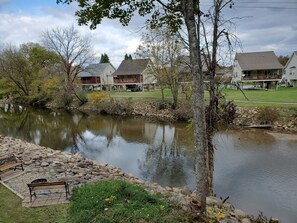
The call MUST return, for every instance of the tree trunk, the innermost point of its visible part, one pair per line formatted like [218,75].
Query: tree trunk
[213,109]
[188,7]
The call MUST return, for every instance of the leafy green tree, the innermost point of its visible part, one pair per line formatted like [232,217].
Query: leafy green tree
[29,71]
[104,58]
[15,71]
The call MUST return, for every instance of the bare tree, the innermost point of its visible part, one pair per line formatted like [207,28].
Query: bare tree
[217,39]
[163,48]
[74,50]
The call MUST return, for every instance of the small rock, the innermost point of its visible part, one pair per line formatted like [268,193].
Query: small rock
[273,220]
[27,162]
[213,201]
[239,213]
[60,170]
[44,164]
[245,220]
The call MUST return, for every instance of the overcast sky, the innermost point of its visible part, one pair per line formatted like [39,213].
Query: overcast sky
[264,25]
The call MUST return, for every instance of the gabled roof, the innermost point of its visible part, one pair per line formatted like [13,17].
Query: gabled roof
[136,66]
[94,70]
[288,62]
[258,61]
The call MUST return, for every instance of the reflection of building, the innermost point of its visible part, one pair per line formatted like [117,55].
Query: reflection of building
[97,76]
[137,131]
[260,67]
[134,75]
[290,70]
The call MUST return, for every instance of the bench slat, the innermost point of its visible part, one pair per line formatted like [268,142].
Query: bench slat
[7,166]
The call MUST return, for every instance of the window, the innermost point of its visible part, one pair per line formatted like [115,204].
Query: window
[292,70]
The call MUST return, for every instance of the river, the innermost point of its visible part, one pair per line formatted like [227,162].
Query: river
[257,169]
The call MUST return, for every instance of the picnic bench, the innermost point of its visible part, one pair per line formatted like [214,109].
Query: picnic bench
[10,161]
[42,186]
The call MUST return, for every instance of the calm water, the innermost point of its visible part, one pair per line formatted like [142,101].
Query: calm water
[257,169]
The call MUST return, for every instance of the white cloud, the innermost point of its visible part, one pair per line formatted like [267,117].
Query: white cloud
[259,29]
[115,40]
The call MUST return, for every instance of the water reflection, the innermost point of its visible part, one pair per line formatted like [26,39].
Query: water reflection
[256,168]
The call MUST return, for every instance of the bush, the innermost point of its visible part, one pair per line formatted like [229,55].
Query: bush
[119,201]
[96,97]
[267,115]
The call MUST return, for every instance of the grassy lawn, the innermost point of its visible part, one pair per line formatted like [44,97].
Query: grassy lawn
[256,98]
[280,95]
[11,210]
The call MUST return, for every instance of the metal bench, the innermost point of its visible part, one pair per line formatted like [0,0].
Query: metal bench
[42,186]
[10,161]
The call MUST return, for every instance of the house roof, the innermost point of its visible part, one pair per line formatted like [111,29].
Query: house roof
[258,61]
[136,66]
[288,62]
[94,70]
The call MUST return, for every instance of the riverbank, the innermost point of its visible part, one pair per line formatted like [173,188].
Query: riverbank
[278,118]
[42,162]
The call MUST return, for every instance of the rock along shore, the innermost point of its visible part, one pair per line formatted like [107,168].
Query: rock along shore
[42,162]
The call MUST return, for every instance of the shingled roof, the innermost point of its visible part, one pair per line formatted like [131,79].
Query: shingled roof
[258,61]
[129,67]
[94,70]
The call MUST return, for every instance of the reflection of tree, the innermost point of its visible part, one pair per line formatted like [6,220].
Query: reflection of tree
[164,162]
[43,126]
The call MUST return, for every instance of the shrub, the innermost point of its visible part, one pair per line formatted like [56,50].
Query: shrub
[119,201]
[96,97]
[267,115]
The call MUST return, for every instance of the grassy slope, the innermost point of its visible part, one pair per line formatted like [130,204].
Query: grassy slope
[11,210]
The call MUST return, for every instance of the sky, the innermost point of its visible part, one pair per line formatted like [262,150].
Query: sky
[261,25]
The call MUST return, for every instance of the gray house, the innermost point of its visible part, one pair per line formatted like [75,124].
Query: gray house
[290,70]
[134,75]
[257,67]
[97,76]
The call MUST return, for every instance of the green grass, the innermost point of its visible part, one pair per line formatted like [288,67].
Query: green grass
[256,98]
[119,201]
[280,95]
[11,210]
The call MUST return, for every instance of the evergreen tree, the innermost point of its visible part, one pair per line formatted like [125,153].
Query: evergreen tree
[104,58]
[128,57]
